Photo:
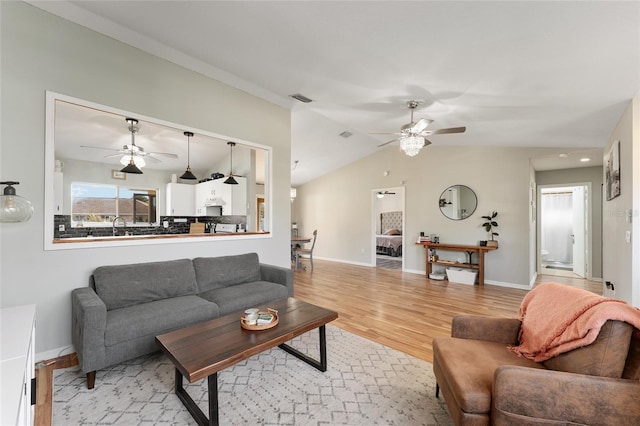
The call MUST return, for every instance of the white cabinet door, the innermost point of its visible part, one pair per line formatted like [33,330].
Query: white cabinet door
[206,194]
[180,199]
[235,198]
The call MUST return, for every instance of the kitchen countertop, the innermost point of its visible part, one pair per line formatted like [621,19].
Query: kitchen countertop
[150,237]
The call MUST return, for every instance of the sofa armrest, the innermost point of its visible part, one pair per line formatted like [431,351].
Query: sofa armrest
[89,321]
[278,275]
[492,329]
[523,394]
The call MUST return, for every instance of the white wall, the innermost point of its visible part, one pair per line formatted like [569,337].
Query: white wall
[43,52]
[621,260]
[339,205]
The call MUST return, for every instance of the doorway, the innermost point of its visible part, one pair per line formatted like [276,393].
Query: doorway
[563,236]
[388,239]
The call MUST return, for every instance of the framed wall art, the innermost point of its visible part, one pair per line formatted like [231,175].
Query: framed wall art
[612,171]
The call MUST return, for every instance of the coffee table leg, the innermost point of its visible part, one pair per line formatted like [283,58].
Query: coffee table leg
[320,365]
[193,408]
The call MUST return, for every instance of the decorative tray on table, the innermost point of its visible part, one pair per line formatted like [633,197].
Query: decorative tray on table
[266,319]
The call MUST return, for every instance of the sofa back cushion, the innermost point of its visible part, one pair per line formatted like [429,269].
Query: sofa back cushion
[224,271]
[125,285]
[605,357]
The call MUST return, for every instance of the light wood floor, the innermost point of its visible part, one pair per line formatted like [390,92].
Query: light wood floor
[402,310]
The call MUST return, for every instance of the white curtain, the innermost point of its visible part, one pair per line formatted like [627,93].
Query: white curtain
[557,226]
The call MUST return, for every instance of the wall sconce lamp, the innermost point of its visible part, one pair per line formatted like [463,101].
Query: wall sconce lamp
[294,193]
[14,208]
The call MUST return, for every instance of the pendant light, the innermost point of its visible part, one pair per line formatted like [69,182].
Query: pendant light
[187,174]
[131,167]
[230,180]
[14,208]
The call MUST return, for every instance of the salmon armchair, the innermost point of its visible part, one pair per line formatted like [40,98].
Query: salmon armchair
[484,383]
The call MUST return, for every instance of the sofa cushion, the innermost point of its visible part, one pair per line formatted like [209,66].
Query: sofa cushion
[124,285]
[218,272]
[468,367]
[157,317]
[605,357]
[247,295]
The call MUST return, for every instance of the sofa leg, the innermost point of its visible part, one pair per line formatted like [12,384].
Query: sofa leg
[91,379]
[437,390]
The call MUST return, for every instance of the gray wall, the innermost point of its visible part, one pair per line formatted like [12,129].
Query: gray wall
[583,175]
[43,52]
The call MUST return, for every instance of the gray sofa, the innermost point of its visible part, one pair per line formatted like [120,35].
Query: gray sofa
[118,315]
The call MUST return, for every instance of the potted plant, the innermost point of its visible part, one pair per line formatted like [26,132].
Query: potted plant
[488,226]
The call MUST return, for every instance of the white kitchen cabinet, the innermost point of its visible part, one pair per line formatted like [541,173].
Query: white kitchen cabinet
[207,194]
[180,199]
[17,367]
[58,193]
[235,198]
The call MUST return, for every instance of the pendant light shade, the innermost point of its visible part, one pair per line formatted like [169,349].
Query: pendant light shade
[132,168]
[230,180]
[14,208]
[188,174]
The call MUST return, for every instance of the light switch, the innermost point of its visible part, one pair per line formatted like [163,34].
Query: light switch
[627,236]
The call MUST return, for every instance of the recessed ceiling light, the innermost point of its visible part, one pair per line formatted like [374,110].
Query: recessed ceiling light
[301,98]
[585,159]
[563,155]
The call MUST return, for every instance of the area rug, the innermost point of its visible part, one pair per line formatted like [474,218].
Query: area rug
[365,384]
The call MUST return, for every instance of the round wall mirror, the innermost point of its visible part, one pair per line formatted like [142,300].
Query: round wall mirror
[458,202]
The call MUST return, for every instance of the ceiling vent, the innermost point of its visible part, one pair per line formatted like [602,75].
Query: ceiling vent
[301,98]
[346,134]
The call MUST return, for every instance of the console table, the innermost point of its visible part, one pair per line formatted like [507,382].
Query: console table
[480,250]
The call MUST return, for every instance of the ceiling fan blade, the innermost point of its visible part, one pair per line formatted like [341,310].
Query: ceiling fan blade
[152,158]
[165,154]
[444,131]
[115,155]
[422,124]
[384,133]
[99,147]
[387,143]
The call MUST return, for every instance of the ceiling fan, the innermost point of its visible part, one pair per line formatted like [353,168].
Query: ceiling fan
[412,136]
[133,151]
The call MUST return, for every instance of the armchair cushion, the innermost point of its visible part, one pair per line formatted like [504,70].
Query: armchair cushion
[605,357]
[632,367]
[467,366]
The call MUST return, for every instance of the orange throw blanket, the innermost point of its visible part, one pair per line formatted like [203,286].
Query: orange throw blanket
[557,318]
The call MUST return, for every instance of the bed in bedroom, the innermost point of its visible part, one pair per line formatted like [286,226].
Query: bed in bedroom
[389,241]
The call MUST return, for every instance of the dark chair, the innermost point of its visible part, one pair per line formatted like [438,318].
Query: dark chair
[307,251]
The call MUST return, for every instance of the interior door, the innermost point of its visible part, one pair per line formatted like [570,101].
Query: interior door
[579,226]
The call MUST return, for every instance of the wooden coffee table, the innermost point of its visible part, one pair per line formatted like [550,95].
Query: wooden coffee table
[202,350]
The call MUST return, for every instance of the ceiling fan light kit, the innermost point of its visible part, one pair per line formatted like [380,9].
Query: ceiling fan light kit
[230,180]
[188,174]
[411,145]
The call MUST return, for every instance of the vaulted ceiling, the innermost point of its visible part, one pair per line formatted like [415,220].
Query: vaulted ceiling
[526,74]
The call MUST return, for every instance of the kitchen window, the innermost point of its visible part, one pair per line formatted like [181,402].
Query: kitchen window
[97,205]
